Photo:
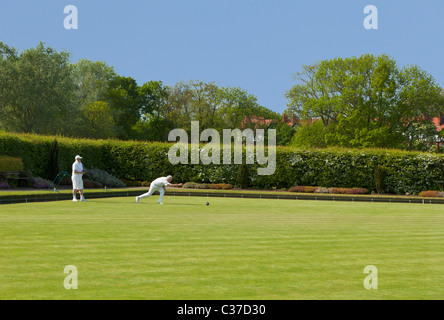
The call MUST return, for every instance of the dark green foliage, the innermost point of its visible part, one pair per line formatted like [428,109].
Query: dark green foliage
[103,178]
[11,164]
[379,179]
[53,163]
[243,176]
[377,170]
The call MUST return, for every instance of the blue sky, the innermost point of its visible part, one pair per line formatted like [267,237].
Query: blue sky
[257,45]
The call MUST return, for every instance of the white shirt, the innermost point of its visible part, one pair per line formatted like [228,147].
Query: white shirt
[160,182]
[78,166]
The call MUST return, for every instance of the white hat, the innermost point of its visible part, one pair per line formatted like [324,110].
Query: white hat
[78,157]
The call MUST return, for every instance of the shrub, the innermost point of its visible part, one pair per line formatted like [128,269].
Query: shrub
[66,181]
[296,189]
[377,170]
[11,164]
[145,183]
[53,164]
[86,183]
[339,190]
[103,178]
[356,191]
[379,179]
[221,186]
[131,183]
[91,184]
[303,189]
[324,190]
[194,185]
[4,185]
[350,190]
[40,183]
[428,193]
[243,176]
[189,185]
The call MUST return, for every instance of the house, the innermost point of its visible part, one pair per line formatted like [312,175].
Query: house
[255,121]
[439,122]
[294,121]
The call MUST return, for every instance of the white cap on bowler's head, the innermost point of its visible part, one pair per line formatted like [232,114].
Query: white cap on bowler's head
[170,178]
[78,157]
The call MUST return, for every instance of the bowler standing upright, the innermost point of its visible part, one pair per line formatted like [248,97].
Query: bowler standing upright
[77,178]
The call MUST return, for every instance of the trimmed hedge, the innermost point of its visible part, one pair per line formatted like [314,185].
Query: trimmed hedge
[11,164]
[387,171]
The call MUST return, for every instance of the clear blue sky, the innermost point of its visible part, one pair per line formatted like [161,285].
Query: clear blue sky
[257,45]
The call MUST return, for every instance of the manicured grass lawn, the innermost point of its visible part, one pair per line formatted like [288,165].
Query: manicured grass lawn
[232,249]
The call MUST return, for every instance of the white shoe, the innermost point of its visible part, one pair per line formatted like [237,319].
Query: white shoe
[84,200]
[160,202]
[137,199]
[75,200]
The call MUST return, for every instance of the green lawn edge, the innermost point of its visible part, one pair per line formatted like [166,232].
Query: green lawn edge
[5,194]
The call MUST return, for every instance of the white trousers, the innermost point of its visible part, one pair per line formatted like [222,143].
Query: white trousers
[152,190]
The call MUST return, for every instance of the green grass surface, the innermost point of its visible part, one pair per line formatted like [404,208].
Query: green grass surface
[32,192]
[232,249]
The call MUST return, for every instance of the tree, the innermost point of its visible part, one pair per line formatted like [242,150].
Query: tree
[423,136]
[284,133]
[92,79]
[364,102]
[99,121]
[176,109]
[310,135]
[37,90]
[236,105]
[126,103]
[153,124]
[7,75]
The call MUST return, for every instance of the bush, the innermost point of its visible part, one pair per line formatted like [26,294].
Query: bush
[194,185]
[11,164]
[350,191]
[377,170]
[131,183]
[189,185]
[104,178]
[66,181]
[40,183]
[356,191]
[4,185]
[339,190]
[221,186]
[429,194]
[309,189]
[92,184]
[324,190]
[243,176]
[303,189]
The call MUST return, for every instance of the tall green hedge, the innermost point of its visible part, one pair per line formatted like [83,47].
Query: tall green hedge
[391,171]
[10,164]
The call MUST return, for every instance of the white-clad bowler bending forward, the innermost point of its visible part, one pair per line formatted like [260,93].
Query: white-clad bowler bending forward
[159,185]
